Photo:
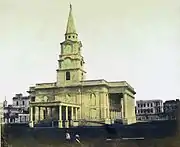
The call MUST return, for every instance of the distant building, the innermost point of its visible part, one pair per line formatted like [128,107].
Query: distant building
[178,118]
[20,101]
[1,113]
[147,110]
[18,112]
[170,108]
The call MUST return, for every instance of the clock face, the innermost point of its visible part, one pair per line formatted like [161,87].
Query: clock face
[67,49]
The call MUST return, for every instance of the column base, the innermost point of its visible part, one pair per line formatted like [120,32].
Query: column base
[125,121]
[107,121]
[72,123]
[75,123]
[31,124]
[60,124]
[129,121]
[66,124]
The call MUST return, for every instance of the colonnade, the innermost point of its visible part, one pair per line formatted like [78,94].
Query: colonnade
[67,115]
[69,121]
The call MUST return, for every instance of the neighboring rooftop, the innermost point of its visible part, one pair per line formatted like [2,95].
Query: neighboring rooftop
[20,96]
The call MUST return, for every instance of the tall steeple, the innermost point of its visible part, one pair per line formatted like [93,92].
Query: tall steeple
[71,33]
[71,62]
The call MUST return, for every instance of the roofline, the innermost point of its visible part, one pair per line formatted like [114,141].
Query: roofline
[80,84]
[153,100]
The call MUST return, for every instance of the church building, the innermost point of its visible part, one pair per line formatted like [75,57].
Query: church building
[74,101]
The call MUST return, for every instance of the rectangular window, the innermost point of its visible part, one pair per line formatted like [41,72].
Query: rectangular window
[68,76]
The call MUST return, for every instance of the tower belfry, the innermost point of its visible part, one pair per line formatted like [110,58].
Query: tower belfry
[71,62]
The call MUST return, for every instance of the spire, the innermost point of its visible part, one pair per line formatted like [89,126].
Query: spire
[70,24]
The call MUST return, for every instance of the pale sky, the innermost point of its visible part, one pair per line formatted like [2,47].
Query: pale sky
[133,40]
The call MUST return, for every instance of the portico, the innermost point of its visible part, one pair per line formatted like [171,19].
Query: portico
[66,114]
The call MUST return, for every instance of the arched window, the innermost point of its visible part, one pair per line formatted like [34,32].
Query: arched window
[68,76]
[92,99]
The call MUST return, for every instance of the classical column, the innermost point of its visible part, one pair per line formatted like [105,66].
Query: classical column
[66,121]
[105,115]
[36,114]
[108,111]
[39,113]
[125,109]
[122,108]
[60,116]
[76,113]
[72,113]
[46,112]
[31,124]
[50,111]
[80,109]
[66,112]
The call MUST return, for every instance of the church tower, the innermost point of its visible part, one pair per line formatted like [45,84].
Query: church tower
[71,62]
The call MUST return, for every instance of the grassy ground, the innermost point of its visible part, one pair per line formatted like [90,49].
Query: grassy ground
[166,142]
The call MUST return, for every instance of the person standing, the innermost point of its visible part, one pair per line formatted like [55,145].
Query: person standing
[77,138]
[68,136]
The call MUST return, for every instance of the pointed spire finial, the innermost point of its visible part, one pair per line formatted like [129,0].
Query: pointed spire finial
[70,24]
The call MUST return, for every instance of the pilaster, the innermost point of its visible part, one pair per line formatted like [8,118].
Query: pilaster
[129,109]
[103,105]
